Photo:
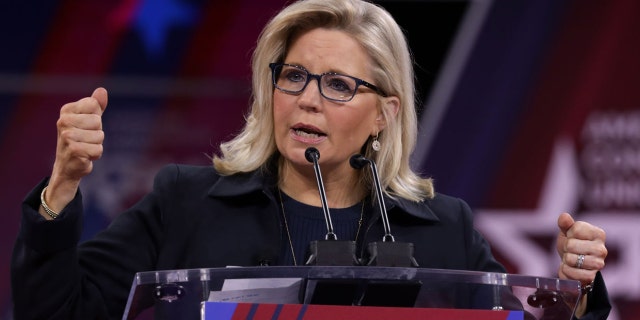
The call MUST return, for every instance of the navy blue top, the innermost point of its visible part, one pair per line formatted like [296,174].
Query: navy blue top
[306,223]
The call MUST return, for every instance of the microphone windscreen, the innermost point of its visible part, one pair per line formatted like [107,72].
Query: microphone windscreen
[312,153]
[358,161]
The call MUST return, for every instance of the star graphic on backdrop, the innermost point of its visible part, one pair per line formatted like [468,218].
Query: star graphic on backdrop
[514,232]
[156,17]
[152,20]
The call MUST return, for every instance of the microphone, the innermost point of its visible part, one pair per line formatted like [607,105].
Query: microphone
[313,155]
[358,162]
[331,251]
[387,252]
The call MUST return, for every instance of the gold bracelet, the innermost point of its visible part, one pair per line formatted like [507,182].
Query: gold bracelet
[44,205]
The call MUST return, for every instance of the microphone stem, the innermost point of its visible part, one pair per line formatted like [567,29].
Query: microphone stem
[383,208]
[323,199]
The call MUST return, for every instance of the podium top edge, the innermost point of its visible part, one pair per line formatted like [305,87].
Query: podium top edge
[358,272]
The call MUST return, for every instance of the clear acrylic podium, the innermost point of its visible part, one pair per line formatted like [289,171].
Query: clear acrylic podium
[181,294]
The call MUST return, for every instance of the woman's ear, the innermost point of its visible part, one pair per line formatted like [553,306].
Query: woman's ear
[390,108]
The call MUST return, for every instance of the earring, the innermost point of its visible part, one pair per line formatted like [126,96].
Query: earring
[375,144]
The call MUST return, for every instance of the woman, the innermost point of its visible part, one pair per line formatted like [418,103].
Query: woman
[335,75]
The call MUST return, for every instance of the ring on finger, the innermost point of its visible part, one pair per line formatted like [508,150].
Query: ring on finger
[580,261]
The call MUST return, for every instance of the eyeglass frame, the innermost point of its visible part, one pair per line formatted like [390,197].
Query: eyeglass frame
[311,76]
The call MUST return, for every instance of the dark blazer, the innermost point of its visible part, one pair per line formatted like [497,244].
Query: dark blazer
[196,218]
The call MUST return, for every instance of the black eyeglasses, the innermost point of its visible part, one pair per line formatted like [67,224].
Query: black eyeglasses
[333,86]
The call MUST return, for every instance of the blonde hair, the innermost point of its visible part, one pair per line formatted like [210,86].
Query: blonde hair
[392,71]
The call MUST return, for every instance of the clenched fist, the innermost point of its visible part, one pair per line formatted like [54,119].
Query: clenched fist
[80,139]
[582,251]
